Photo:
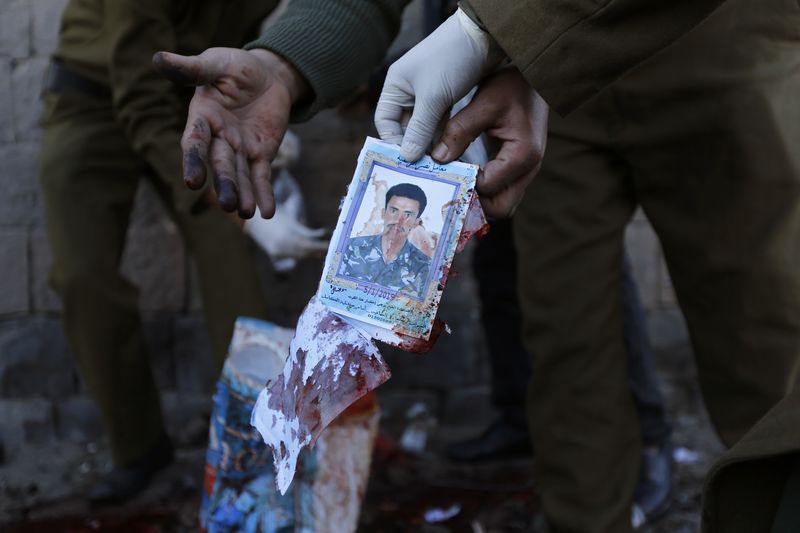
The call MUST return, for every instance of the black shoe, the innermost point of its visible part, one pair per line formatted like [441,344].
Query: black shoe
[656,486]
[503,439]
[125,482]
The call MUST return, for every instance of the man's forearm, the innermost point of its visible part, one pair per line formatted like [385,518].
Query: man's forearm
[333,45]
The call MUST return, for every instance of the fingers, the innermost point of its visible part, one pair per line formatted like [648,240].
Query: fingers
[260,174]
[195,145]
[514,160]
[190,70]
[421,129]
[504,204]
[247,202]
[459,132]
[223,163]
[389,114]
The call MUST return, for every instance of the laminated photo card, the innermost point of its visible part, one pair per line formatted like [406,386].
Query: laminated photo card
[397,233]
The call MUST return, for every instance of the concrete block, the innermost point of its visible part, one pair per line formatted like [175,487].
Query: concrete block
[28,421]
[20,202]
[15,23]
[46,16]
[27,78]
[44,298]
[195,369]
[154,259]
[644,251]
[34,360]
[6,119]
[78,419]
[13,272]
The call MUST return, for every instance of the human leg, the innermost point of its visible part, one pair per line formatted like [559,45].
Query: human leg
[569,235]
[495,267]
[88,176]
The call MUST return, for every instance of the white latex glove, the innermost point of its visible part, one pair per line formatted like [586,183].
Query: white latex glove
[284,237]
[430,78]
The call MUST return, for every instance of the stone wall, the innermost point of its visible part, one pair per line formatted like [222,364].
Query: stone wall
[41,394]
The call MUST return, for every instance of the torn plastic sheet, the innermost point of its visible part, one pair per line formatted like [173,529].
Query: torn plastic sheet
[330,366]
[332,363]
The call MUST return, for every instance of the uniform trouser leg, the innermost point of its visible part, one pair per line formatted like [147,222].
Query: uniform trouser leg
[569,233]
[723,194]
[645,387]
[89,177]
[495,266]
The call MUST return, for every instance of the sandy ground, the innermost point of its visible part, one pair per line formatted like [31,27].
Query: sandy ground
[41,487]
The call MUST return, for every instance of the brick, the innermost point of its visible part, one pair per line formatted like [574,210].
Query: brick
[44,298]
[6,119]
[46,22]
[155,261]
[15,22]
[29,421]
[35,360]
[468,406]
[644,251]
[26,81]
[78,419]
[195,369]
[20,201]
[13,272]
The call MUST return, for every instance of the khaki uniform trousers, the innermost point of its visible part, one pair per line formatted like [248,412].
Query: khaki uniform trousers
[706,138]
[89,175]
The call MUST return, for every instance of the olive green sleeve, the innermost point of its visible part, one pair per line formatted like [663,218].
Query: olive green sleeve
[334,44]
[569,50]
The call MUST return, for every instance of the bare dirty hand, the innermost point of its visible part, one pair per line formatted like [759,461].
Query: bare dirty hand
[514,118]
[237,118]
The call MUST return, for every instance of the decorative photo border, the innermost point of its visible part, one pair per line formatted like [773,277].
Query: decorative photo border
[400,311]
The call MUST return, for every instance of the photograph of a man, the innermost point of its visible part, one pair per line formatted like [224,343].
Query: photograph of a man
[388,258]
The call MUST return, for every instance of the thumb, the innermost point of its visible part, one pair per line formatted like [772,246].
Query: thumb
[461,130]
[189,70]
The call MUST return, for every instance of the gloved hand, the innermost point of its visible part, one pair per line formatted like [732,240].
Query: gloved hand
[284,237]
[430,78]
